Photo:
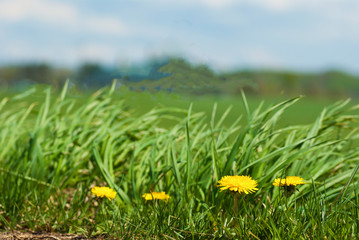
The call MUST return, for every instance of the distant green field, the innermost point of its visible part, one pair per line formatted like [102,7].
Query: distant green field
[305,111]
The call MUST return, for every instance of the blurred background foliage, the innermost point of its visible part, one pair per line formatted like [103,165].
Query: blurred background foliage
[177,75]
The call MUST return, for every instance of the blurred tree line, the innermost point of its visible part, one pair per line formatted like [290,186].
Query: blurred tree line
[89,75]
[178,75]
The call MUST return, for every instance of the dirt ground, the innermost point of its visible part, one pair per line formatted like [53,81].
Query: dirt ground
[17,235]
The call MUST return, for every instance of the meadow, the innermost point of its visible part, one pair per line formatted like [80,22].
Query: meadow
[56,146]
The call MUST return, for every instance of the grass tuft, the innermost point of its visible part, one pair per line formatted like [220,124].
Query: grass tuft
[54,147]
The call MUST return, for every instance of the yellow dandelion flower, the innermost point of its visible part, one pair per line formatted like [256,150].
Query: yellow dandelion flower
[156,195]
[238,184]
[289,181]
[104,192]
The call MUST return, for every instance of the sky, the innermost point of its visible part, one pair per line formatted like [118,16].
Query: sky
[308,35]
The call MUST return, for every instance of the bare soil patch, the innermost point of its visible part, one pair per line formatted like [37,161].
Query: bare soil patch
[17,235]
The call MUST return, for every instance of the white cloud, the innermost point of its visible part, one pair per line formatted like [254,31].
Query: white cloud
[60,14]
[16,50]
[95,52]
[104,25]
[259,56]
[277,5]
[216,3]
[348,13]
[104,53]
[213,4]
[320,6]
[63,54]
[17,10]
[271,5]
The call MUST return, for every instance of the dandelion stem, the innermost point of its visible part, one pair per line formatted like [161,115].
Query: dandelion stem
[235,207]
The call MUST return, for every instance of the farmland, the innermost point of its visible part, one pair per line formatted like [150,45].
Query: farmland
[57,145]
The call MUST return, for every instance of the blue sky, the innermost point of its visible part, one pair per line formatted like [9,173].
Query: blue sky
[225,34]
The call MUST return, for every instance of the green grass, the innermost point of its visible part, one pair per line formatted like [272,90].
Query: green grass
[55,146]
